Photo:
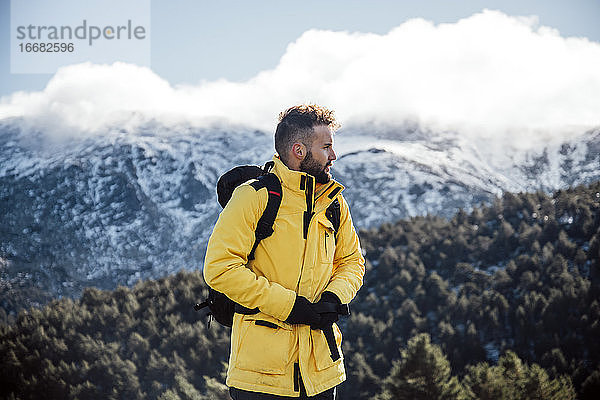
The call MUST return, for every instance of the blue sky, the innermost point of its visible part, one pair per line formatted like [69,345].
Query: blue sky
[195,41]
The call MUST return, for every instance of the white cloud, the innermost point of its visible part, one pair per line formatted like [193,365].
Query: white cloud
[488,76]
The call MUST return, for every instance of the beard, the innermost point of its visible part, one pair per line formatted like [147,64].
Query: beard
[312,167]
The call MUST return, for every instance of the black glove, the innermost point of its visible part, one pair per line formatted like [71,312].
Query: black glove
[327,318]
[303,312]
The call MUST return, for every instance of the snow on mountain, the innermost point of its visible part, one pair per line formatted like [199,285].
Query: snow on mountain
[113,209]
[129,205]
[439,173]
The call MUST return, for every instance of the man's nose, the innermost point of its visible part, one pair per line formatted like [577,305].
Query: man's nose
[332,155]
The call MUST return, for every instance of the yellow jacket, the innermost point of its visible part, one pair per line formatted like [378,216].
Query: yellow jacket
[286,264]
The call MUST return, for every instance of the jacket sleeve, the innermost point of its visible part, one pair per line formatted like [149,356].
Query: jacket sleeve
[348,261]
[227,255]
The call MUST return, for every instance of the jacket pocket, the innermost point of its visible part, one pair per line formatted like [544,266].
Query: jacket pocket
[321,351]
[326,240]
[265,345]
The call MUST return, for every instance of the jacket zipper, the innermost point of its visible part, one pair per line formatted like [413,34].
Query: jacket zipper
[306,182]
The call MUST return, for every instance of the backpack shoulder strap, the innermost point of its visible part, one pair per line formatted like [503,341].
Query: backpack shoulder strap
[264,227]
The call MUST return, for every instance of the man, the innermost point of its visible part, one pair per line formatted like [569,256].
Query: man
[276,353]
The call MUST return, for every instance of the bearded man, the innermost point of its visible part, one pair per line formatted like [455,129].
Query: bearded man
[281,351]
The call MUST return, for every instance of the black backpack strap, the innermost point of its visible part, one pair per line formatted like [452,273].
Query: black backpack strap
[333,214]
[264,227]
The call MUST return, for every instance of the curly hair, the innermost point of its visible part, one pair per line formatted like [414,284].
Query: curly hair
[296,125]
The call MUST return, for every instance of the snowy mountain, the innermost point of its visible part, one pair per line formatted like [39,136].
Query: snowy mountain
[115,208]
[416,173]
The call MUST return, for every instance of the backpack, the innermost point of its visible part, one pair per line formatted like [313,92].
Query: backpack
[221,307]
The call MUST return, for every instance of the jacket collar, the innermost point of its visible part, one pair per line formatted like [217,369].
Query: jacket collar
[298,181]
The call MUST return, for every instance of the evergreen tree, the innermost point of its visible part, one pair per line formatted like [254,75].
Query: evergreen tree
[422,373]
[512,379]
[501,278]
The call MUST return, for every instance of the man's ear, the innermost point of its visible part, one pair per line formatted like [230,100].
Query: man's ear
[299,151]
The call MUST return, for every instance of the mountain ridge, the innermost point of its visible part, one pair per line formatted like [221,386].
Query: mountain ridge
[129,205]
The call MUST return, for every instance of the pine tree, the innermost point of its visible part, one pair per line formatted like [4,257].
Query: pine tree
[422,373]
[513,379]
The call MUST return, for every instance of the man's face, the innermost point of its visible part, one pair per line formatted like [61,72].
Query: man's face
[320,154]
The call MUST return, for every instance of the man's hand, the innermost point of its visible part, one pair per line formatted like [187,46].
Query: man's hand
[303,312]
[327,318]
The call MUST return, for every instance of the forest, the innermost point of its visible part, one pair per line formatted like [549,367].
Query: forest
[501,302]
